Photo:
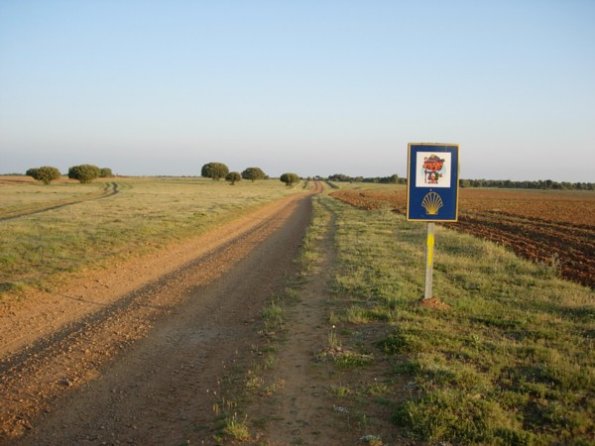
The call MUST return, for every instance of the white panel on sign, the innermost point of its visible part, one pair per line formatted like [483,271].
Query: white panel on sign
[433,169]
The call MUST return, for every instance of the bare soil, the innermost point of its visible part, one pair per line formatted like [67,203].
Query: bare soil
[134,354]
[303,409]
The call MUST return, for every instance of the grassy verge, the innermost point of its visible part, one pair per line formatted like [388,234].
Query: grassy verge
[146,214]
[509,362]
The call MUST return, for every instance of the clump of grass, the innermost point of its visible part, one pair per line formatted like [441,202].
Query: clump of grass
[236,428]
[272,316]
[351,359]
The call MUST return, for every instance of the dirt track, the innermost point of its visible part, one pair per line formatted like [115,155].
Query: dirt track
[133,355]
[109,190]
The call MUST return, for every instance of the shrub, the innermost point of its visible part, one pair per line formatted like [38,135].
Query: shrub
[233,177]
[105,172]
[290,178]
[214,170]
[253,174]
[45,174]
[85,173]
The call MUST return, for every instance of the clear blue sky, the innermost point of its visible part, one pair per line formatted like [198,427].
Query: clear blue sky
[316,87]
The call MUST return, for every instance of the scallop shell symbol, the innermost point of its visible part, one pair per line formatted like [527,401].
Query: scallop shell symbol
[432,203]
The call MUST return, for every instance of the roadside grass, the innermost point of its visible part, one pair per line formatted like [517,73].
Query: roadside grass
[509,362]
[148,213]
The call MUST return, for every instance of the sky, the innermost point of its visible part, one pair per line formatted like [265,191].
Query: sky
[311,86]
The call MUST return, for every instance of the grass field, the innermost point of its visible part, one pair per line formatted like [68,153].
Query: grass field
[510,361]
[146,213]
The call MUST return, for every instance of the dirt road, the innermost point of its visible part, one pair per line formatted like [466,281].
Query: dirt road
[133,355]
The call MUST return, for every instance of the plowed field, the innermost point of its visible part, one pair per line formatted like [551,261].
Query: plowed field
[554,227]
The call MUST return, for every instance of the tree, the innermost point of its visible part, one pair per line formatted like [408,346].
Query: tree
[31,172]
[105,172]
[214,170]
[85,173]
[45,174]
[253,174]
[290,178]
[233,177]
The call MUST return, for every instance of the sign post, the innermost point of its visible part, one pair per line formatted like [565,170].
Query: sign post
[432,192]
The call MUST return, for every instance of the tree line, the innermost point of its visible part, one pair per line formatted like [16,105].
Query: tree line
[526,184]
[538,184]
[392,179]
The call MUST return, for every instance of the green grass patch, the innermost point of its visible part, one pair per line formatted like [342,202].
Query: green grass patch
[509,362]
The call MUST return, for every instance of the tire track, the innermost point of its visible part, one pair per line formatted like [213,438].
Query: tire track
[109,190]
[34,377]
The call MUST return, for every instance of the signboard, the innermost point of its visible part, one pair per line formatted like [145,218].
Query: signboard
[433,182]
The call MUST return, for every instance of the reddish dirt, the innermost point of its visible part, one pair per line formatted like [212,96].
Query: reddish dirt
[134,354]
[555,228]
[434,303]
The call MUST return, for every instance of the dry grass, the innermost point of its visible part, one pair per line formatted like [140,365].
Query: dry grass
[146,214]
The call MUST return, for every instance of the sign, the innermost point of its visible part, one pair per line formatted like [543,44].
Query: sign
[433,182]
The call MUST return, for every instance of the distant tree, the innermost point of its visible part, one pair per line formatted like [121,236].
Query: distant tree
[290,178]
[85,173]
[233,177]
[45,174]
[214,170]
[105,172]
[253,174]
[31,172]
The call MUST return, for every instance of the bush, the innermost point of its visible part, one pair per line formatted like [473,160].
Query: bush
[105,172]
[290,178]
[214,170]
[232,177]
[253,174]
[85,173]
[45,174]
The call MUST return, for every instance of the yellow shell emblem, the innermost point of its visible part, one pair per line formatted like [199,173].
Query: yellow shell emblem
[432,203]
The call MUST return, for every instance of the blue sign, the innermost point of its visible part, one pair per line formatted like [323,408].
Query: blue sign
[433,182]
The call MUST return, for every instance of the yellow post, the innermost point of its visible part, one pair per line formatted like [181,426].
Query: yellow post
[429,261]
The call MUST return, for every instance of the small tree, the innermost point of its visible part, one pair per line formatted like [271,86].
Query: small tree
[290,178]
[214,170]
[253,174]
[233,177]
[45,174]
[85,173]
[105,172]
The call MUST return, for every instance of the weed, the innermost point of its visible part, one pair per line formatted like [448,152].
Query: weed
[236,429]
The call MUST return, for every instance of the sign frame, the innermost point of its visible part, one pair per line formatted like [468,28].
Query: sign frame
[423,200]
